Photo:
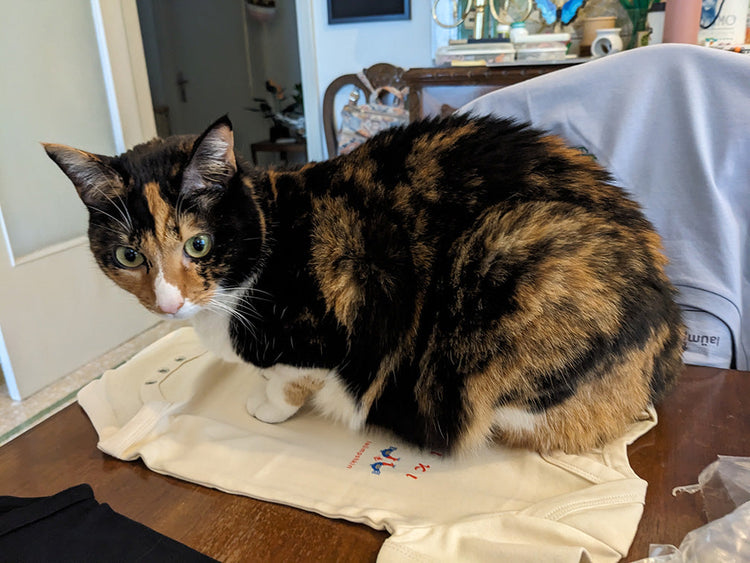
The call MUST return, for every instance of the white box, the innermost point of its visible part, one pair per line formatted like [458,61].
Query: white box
[475,54]
[542,47]
[723,23]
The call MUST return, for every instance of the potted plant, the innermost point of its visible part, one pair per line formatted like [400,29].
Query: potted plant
[287,119]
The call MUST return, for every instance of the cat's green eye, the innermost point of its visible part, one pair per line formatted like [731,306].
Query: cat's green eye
[128,257]
[198,246]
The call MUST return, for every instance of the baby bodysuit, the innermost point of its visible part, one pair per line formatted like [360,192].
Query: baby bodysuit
[182,411]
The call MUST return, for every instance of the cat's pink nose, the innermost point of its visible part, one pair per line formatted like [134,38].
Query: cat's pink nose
[171,306]
[169,299]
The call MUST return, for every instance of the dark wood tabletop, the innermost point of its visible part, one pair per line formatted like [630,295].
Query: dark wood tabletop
[703,417]
[496,76]
[282,148]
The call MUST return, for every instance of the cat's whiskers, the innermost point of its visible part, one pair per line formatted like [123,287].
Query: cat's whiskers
[217,306]
[126,230]
[113,231]
[238,306]
[242,307]
[236,292]
[122,208]
[178,205]
[179,209]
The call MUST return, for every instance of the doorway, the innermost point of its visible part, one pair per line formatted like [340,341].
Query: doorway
[207,59]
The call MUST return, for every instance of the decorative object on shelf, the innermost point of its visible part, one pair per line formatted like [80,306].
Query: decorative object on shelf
[288,120]
[655,23]
[590,27]
[518,31]
[456,19]
[473,16]
[542,47]
[682,21]
[607,41]
[475,54]
[261,10]
[723,23]
[360,122]
[564,14]
[637,11]
[510,13]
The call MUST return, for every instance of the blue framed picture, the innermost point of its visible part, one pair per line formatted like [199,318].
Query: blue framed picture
[350,11]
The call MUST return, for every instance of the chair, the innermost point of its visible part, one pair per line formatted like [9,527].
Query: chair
[671,124]
[379,75]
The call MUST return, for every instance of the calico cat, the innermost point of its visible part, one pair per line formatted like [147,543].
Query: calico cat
[452,281]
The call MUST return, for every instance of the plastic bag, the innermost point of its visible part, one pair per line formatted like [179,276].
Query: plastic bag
[726,540]
[725,486]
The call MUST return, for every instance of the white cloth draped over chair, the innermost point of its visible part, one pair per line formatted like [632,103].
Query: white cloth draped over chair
[672,124]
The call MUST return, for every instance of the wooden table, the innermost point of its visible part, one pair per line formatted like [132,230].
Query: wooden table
[496,76]
[707,415]
[704,416]
[282,148]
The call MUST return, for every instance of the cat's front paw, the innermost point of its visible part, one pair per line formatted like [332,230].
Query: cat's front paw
[261,408]
[270,413]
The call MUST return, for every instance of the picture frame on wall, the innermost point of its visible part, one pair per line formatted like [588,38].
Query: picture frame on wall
[354,11]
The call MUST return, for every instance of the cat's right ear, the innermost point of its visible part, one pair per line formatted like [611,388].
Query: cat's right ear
[212,162]
[90,174]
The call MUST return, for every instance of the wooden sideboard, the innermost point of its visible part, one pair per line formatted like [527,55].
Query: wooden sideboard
[705,415]
[499,76]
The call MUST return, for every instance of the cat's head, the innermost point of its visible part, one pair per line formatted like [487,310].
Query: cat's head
[175,222]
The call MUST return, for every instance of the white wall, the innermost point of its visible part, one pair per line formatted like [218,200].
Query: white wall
[328,51]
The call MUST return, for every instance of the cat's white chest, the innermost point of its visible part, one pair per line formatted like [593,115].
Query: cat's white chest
[213,330]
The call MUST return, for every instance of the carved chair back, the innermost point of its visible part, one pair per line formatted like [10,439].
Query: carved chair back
[379,75]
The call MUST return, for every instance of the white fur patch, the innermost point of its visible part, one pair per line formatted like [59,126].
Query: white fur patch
[187,311]
[272,405]
[335,402]
[213,330]
[168,297]
[513,419]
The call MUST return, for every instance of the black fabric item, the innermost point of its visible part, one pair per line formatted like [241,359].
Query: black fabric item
[73,526]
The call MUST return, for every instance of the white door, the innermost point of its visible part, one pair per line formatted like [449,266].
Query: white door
[199,65]
[71,72]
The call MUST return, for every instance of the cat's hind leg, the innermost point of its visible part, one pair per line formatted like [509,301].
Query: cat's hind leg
[286,390]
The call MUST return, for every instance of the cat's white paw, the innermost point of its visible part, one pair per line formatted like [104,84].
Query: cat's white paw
[268,404]
[286,389]
[266,373]
[270,413]
[255,400]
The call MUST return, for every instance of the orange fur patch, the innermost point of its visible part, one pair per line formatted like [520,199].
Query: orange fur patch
[298,391]
[338,247]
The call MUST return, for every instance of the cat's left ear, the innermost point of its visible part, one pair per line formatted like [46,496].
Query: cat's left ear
[212,162]
[91,174]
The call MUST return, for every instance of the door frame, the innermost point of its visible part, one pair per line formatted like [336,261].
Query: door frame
[124,67]
[308,61]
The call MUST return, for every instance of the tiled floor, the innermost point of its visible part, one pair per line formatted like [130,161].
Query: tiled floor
[17,417]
